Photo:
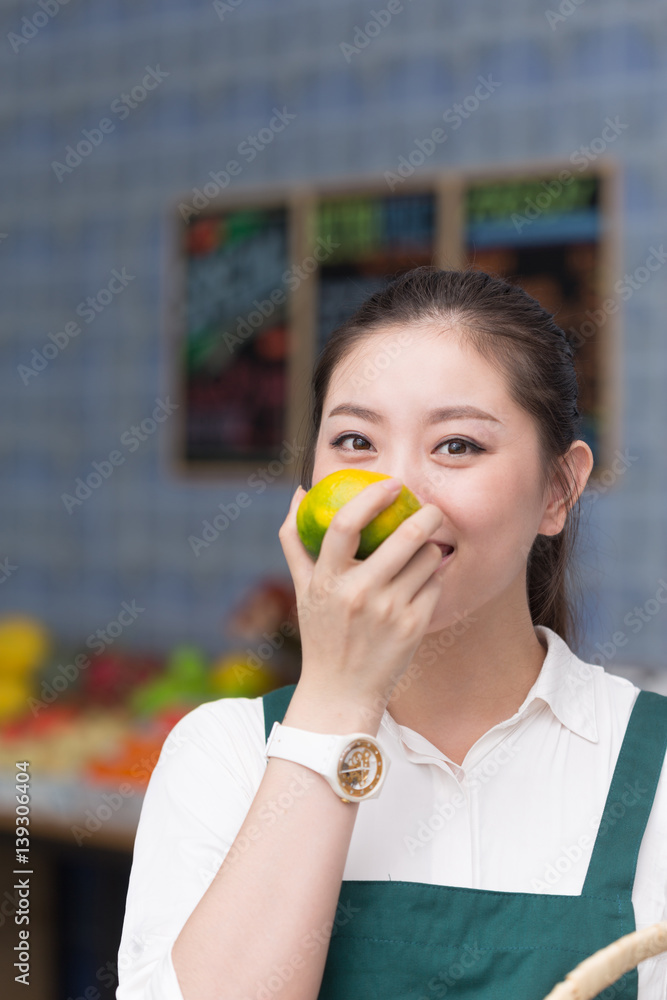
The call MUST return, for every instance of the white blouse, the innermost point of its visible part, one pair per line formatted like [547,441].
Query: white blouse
[482,824]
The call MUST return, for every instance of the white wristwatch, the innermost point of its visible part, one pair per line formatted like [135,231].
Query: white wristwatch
[355,765]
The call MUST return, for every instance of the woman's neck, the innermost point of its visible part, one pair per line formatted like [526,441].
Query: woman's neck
[466,679]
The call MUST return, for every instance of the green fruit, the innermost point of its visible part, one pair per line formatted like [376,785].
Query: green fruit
[317,508]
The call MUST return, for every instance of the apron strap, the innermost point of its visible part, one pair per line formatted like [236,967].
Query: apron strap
[611,871]
[276,703]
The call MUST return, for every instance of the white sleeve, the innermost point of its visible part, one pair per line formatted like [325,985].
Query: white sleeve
[198,796]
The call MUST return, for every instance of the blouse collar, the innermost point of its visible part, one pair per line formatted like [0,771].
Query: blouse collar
[565,683]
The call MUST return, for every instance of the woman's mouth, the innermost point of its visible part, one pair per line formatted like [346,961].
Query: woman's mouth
[446,550]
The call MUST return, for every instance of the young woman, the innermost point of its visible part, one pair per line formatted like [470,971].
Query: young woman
[453,803]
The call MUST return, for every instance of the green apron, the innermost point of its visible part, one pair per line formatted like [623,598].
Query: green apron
[418,941]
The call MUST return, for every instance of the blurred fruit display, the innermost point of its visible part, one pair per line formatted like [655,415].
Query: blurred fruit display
[103,718]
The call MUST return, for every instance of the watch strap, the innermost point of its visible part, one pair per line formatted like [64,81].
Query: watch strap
[313,750]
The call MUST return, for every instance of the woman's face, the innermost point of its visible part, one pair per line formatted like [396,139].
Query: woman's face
[402,404]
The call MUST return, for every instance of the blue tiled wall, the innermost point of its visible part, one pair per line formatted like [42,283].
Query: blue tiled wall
[61,241]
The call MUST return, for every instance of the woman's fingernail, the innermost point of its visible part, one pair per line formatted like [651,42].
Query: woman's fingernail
[393,485]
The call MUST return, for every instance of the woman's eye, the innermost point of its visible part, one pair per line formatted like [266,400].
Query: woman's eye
[358,442]
[458,442]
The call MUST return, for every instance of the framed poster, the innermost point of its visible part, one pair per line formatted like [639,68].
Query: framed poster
[235,349]
[374,238]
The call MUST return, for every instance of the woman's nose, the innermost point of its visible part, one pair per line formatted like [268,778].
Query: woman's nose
[423,482]
[424,488]
[423,493]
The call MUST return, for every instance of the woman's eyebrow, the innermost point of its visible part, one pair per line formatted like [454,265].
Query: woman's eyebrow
[357,411]
[432,417]
[452,412]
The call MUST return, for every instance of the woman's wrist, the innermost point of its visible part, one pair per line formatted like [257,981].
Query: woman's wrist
[322,711]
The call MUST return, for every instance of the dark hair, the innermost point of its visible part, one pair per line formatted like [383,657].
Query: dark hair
[513,332]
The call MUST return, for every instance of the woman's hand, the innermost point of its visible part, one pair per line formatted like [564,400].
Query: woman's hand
[362,620]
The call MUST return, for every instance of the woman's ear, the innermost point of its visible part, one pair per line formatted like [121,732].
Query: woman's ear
[576,465]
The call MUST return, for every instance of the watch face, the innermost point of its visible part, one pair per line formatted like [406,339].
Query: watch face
[360,768]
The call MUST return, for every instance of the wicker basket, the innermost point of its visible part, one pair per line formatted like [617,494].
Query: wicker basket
[606,966]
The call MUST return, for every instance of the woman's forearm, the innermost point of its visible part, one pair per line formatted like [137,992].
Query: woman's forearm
[267,916]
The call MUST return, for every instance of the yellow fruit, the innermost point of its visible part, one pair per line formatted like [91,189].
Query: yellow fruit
[233,676]
[24,643]
[320,503]
[14,694]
